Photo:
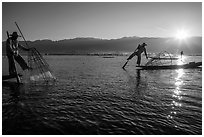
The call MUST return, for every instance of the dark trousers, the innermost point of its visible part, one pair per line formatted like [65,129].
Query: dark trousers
[138,59]
[19,59]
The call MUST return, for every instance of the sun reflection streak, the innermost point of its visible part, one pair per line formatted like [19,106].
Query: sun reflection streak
[178,83]
[176,103]
[180,61]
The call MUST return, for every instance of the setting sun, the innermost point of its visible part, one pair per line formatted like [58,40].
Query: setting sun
[182,34]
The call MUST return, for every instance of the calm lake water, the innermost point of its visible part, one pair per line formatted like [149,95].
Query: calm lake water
[93,95]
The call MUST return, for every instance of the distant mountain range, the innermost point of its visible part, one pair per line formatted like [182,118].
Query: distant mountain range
[192,46]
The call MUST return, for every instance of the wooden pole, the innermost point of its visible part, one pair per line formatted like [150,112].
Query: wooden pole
[22,34]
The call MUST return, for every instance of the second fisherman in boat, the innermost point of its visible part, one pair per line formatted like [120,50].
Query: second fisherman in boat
[12,46]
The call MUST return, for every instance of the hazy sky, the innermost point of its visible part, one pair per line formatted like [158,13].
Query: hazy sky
[58,21]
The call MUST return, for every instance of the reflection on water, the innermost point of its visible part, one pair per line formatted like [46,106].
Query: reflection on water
[177,94]
[15,90]
[138,78]
[137,83]
[181,60]
[25,107]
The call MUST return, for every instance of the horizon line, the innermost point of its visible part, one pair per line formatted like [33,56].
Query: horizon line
[89,37]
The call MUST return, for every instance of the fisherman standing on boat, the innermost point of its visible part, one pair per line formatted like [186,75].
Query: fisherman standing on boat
[181,54]
[139,51]
[12,46]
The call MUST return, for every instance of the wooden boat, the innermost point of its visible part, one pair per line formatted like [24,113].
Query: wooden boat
[108,57]
[7,77]
[156,58]
[184,66]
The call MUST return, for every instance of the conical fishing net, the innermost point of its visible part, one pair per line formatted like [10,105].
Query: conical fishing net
[40,71]
[160,59]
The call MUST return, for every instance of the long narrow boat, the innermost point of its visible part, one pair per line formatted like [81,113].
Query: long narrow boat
[167,58]
[184,66]
[7,77]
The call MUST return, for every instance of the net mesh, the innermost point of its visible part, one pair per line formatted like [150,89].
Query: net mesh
[40,71]
[160,59]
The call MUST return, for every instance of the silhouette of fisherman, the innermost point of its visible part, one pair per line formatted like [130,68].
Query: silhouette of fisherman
[181,54]
[12,46]
[140,49]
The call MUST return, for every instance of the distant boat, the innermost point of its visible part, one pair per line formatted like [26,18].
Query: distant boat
[164,58]
[108,57]
[184,66]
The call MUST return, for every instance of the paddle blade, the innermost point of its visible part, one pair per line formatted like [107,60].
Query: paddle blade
[125,64]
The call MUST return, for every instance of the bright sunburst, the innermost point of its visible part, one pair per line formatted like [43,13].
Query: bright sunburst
[181,34]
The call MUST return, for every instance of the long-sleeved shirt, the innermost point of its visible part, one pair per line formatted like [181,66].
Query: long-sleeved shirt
[12,47]
[141,49]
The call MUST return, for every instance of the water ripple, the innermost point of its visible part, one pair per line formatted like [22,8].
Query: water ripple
[95,96]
